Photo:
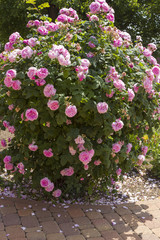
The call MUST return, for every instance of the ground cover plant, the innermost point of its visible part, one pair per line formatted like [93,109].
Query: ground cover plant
[78,97]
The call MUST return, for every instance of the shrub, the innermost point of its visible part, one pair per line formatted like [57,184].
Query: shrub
[80,96]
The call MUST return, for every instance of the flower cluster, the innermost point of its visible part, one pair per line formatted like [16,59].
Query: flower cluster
[82,70]
[9,82]
[67,15]
[115,77]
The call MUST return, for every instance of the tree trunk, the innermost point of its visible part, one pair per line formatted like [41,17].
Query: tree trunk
[53,12]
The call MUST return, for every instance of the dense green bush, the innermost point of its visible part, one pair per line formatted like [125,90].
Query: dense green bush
[80,96]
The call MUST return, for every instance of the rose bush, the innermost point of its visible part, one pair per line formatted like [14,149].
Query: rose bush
[78,97]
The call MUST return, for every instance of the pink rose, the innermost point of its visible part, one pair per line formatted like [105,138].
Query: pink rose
[94,18]
[110,17]
[14,37]
[57,193]
[72,150]
[119,84]
[49,90]
[53,104]
[42,30]
[110,95]
[147,85]
[33,147]
[102,107]
[131,95]
[8,46]
[144,150]
[85,62]
[67,172]
[105,7]
[3,143]
[42,73]
[118,171]
[50,187]
[31,72]
[71,111]
[16,85]
[95,7]
[117,125]
[62,18]
[40,82]
[8,166]
[152,47]
[86,156]
[116,147]
[117,42]
[31,114]
[48,153]
[10,107]
[97,162]
[6,124]
[136,88]
[92,45]
[141,159]
[11,73]
[147,53]
[20,166]
[86,167]
[129,147]
[79,140]
[32,42]
[156,70]
[45,182]
[27,52]
[7,159]
[11,129]
[8,81]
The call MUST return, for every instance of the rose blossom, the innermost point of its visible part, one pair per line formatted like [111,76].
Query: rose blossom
[6,124]
[156,70]
[116,147]
[42,30]
[7,159]
[8,81]
[94,18]
[131,95]
[136,88]
[57,193]
[31,114]
[31,72]
[86,156]
[45,182]
[71,111]
[118,171]
[11,129]
[33,147]
[117,125]
[11,73]
[102,107]
[119,84]
[26,52]
[3,142]
[10,107]
[97,162]
[144,150]
[129,147]
[42,73]
[72,150]
[141,159]
[48,153]
[14,37]
[79,140]
[32,42]
[147,53]
[49,90]
[8,166]
[16,85]
[67,172]
[94,7]
[110,17]
[50,187]
[86,167]
[53,104]
[152,47]
[40,82]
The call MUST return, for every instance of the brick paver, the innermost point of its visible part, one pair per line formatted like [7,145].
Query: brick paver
[33,220]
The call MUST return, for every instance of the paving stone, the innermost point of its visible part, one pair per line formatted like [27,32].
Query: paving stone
[113,217]
[50,227]
[105,209]
[144,216]
[57,209]
[15,231]
[147,236]
[75,237]
[142,229]
[154,223]
[11,219]
[34,229]
[36,236]
[3,235]
[47,219]
[42,214]
[122,211]
[110,235]
[97,238]
[7,202]
[24,212]
[156,231]
[132,220]
[82,221]
[94,215]
[10,238]
[1,226]
[62,217]
[56,236]
[130,236]
[101,224]
[69,229]
[8,210]
[91,232]
[154,213]
[75,212]
[149,206]
[122,228]
[29,221]
[133,207]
